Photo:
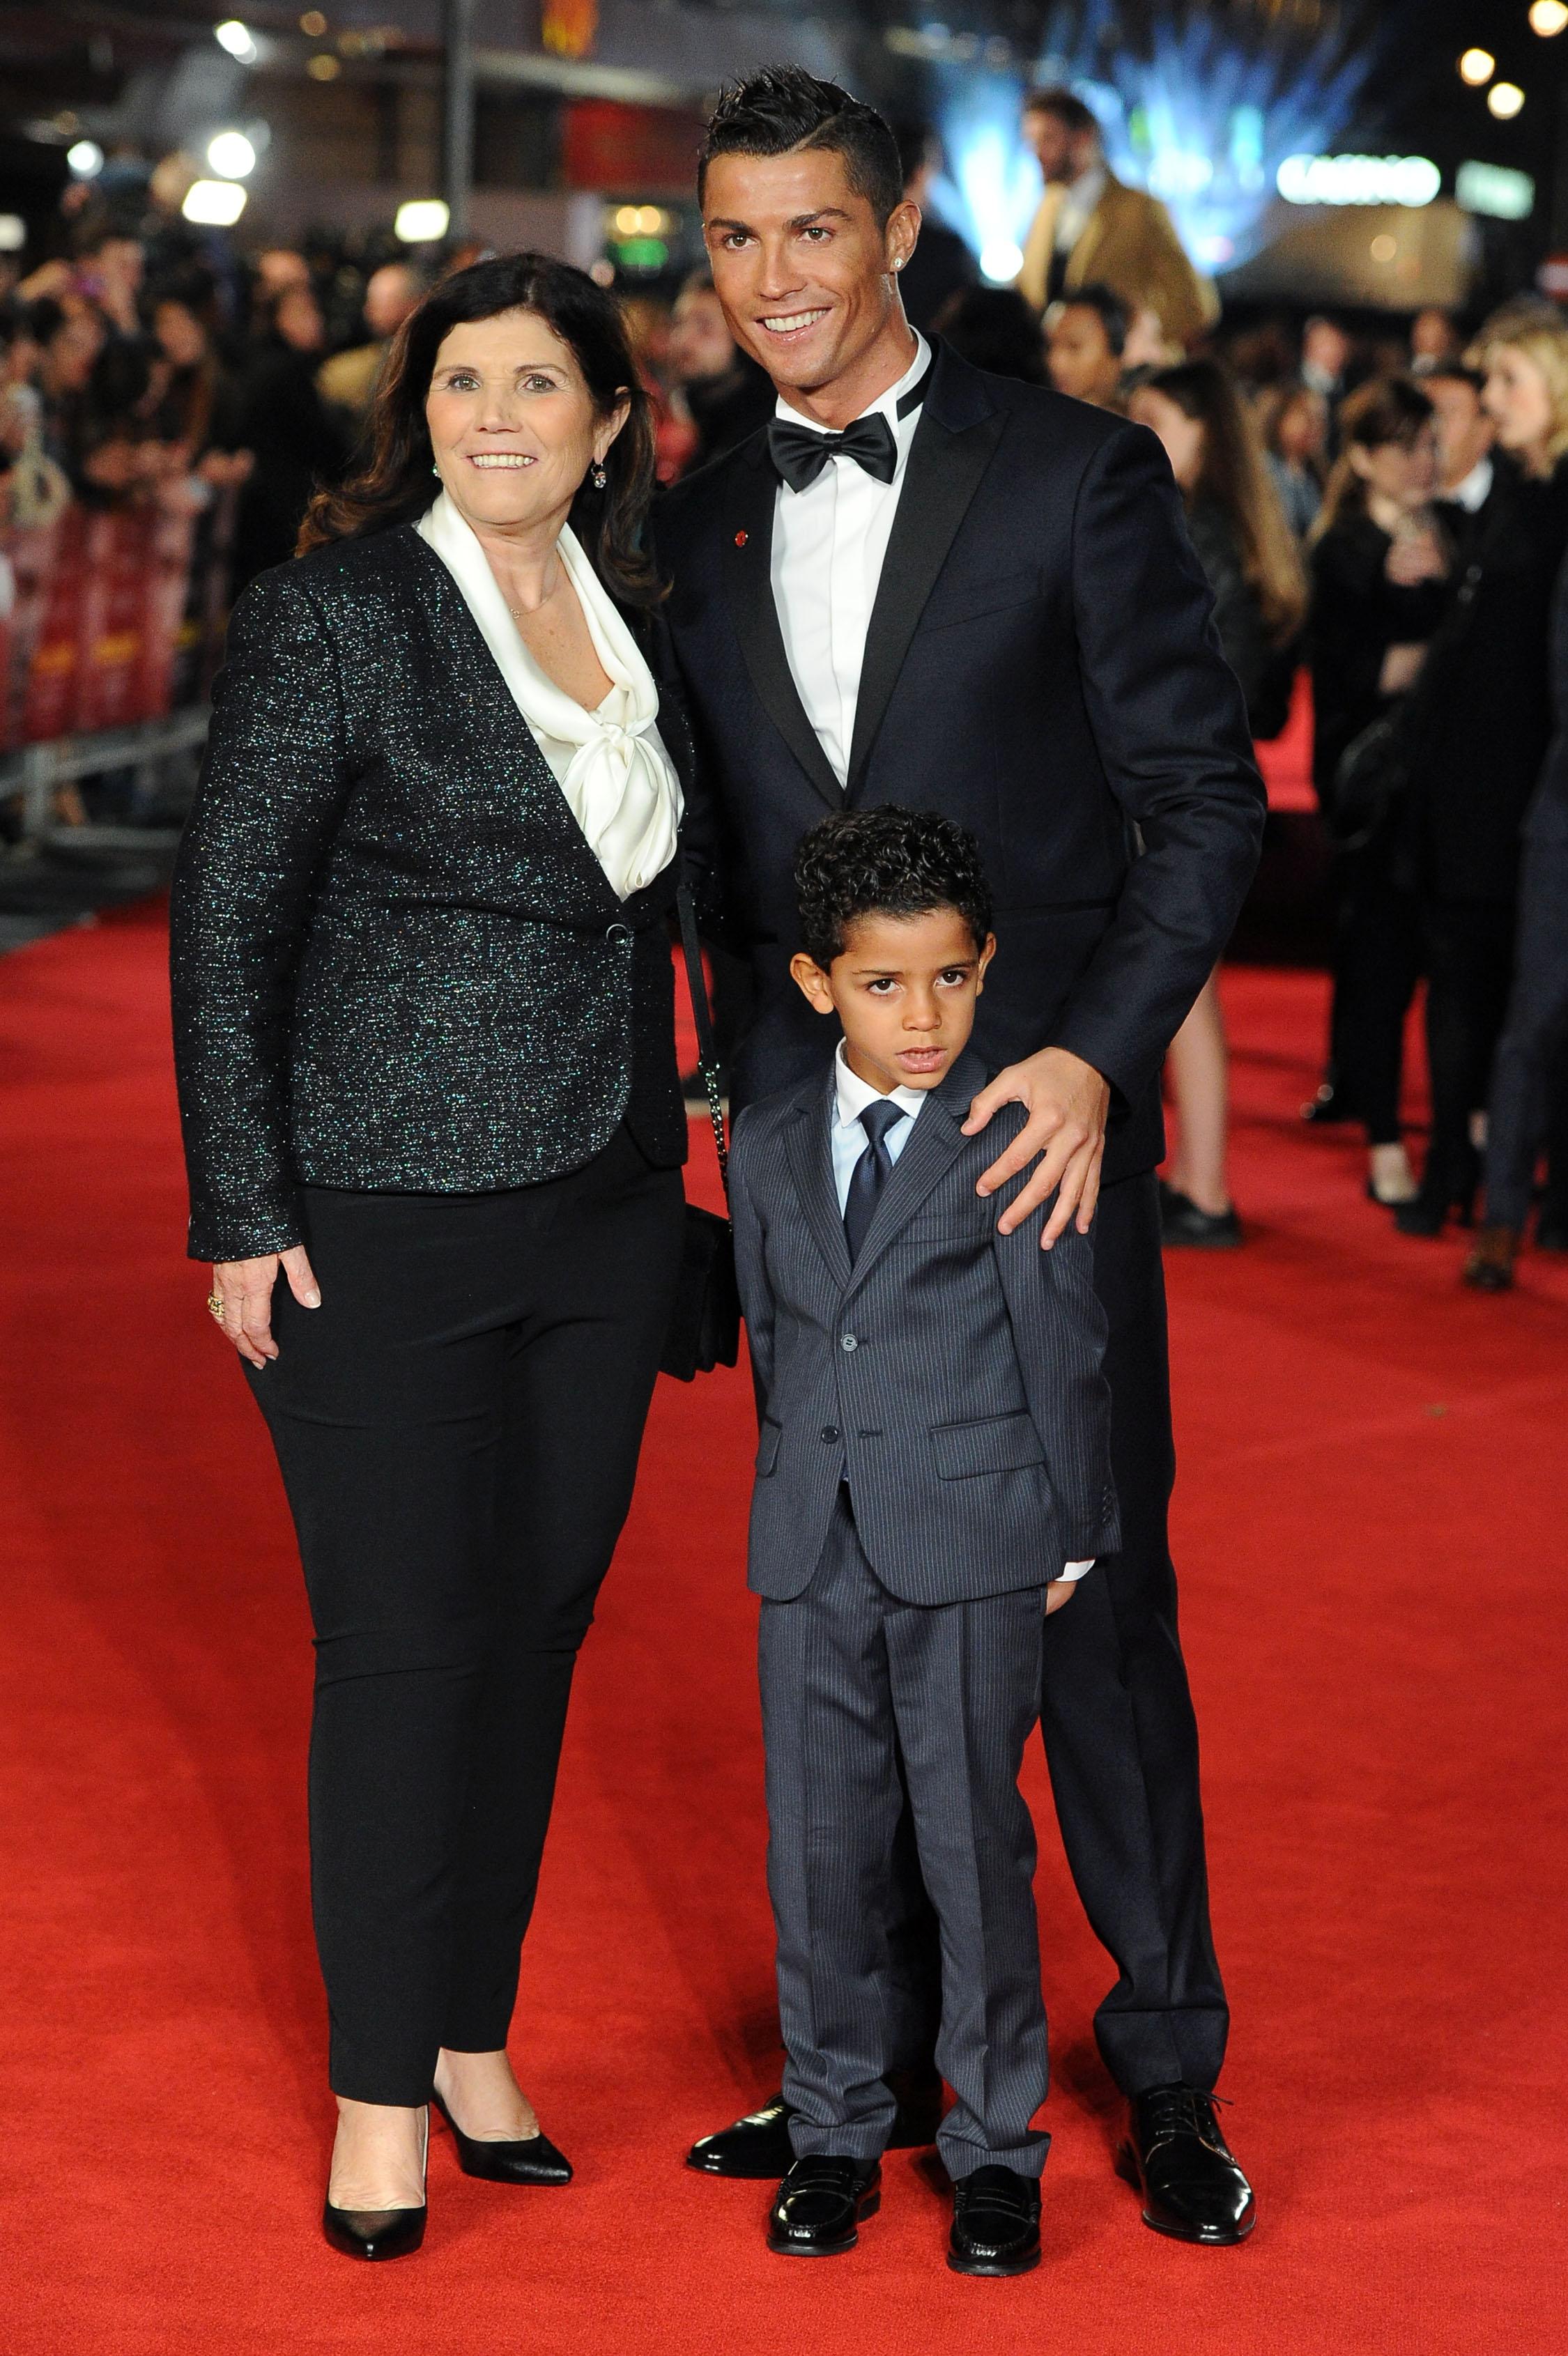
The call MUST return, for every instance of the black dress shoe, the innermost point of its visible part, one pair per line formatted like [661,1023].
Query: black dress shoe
[1177,2158]
[996,2223]
[820,2205]
[533,2159]
[1182,1224]
[374,2233]
[759,2148]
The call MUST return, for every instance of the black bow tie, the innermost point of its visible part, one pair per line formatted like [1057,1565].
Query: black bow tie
[800,455]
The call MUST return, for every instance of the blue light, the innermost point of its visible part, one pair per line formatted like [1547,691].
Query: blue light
[1200,116]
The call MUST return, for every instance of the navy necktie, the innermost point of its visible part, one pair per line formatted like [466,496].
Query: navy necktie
[870,1173]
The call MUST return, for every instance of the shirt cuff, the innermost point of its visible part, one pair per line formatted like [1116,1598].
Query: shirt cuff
[1076,1570]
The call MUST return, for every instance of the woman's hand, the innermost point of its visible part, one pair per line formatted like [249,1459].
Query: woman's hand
[245,1289]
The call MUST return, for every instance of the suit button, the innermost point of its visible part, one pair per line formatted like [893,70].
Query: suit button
[850,1342]
[619,932]
[830,1432]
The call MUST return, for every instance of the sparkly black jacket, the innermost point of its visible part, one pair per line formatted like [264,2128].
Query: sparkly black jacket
[397,965]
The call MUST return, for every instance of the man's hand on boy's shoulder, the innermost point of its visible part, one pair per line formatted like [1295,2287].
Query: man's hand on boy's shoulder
[1066,1103]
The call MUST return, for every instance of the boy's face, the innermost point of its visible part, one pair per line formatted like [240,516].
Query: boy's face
[904,989]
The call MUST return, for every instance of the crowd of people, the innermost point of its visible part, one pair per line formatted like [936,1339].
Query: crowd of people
[1389,514]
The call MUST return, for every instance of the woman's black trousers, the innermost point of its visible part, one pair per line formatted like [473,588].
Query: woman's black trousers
[458,1427]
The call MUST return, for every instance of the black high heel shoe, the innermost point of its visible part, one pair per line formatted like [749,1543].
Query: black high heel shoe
[532,2160]
[376,2233]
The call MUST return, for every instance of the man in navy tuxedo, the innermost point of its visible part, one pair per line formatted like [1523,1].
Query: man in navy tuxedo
[925,585]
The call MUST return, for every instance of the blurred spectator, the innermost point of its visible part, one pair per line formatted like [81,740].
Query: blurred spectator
[1086,335]
[1489,726]
[1294,422]
[33,488]
[197,405]
[1434,340]
[1325,357]
[727,396]
[284,422]
[1254,569]
[994,328]
[1147,345]
[1466,470]
[348,378]
[648,323]
[941,265]
[1090,229]
[1379,592]
[277,270]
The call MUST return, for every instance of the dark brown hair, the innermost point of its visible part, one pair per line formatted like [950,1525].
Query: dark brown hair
[1070,111]
[393,484]
[784,108]
[1389,408]
[1233,474]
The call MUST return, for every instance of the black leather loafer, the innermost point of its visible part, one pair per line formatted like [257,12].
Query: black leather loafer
[374,2233]
[820,2205]
[758,2148]
[1177,2158]
[996,2223]
[532,2160]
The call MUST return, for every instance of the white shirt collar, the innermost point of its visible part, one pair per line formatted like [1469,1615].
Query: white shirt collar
[1477,487]
[887,404]
[853,1094]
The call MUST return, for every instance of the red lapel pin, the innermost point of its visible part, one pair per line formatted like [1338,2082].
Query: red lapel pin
[741,538]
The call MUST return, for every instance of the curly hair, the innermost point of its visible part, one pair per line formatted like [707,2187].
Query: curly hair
[885,863]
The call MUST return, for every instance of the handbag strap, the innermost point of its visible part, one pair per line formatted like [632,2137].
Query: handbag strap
[707,1049]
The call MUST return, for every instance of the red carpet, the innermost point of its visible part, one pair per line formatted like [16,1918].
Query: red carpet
[1370,1524]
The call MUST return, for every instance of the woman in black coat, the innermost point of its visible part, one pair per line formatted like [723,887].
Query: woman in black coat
[1380,587]
[424,1044]
[1487,724]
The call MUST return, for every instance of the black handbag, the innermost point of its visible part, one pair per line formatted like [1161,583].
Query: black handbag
[705,1324]
[1375,771]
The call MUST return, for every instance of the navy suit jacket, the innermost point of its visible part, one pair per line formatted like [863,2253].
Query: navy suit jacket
[1041,665]
[951,1374]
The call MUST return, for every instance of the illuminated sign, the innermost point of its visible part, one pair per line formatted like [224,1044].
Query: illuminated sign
[1412,180]
[1492,189]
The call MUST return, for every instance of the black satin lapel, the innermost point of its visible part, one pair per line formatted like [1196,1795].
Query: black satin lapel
[807,1144]
[942,477]
[938,1141]
[749,553]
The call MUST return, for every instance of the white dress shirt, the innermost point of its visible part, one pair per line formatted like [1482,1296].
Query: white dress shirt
[610,765]
[849,1141]
[829,543]
[1077,207]
[1475,489]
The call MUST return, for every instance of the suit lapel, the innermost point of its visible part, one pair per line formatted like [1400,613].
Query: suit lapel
[958,430]
[807,1143]
[749,570]
[935,1146]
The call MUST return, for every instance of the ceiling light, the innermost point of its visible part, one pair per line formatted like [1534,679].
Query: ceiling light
[1548,17]
[421,221]
[86,159]
[313,23]
[232,156]
[213,204]
[236,39]
[1505,99]
[1478,66]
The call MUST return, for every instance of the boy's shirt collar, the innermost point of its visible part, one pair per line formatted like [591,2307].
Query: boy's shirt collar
[851,1095]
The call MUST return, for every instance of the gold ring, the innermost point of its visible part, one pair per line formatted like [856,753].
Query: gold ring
[215,1303]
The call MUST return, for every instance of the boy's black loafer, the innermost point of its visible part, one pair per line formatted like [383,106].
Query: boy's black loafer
[1177,2158]
[996,2223]
[820,2205]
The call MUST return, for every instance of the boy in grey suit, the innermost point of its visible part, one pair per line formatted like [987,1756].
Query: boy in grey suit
[933,1475]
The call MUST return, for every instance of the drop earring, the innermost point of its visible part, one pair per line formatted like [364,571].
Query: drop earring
[600,479]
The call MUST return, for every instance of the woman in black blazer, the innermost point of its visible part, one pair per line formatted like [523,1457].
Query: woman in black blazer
[424,1043]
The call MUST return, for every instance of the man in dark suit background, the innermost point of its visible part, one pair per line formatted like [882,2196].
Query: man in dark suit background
[941,265]
[929,586]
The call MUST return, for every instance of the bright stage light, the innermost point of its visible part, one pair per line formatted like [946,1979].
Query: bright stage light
[1548,17]
[1409,181]
[232,156]
[1001,260]
[422,222]
[236,39]
[1477,67]
[86,159]
[1493,190]
[12,233]
[1504,100]
[213,204]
